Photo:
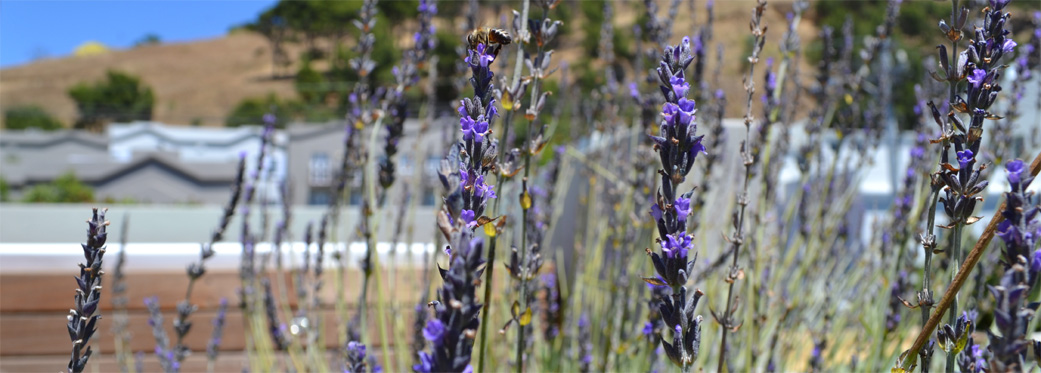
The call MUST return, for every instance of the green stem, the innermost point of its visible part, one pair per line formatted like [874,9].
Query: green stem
[952,314]
[487,300]
[381,314]
[490,268]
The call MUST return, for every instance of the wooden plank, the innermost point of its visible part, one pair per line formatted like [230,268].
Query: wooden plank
[33,317]
[226,362]
[45,334]
[54,292]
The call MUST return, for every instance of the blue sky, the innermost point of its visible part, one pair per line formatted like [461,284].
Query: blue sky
[34,28]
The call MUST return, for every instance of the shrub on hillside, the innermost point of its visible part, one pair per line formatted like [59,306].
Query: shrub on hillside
[252,111]
[25,117]
[121,97]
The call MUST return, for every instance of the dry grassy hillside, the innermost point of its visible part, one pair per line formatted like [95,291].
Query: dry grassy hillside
[198,80]
[204,80]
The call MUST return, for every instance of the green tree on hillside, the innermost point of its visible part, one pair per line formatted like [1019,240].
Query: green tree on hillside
[148,39]
[25,117]
[310,85]
[251,111]
[121,97]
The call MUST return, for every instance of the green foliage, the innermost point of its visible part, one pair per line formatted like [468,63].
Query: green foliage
[447,60]
[623,40]
[148,39]
[587,78]
[24,117]
[310,84]
[5,190]
[917,31]
[399,9]
[308,20]
[341,76]
[593,11]
[913,21]
[252,110]
[317,113]
[121,97]
[65,189]
[384,52]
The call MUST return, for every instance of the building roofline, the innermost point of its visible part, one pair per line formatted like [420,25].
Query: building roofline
[49,139]
[174,167]
[145,128]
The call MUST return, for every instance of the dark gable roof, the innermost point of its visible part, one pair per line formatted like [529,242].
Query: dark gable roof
[202,174]
[101,173]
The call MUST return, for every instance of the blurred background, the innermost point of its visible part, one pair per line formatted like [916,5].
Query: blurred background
[147,106]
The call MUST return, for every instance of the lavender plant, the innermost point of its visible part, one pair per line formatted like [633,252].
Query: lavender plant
[197,269]
[166,354]
[217,335]
[807,261]
[276,329]
[510,95]
[725,317]
[979,63]
[406,75]
[962,185]
[362,116]
[526,262]
[454,327]
[84,317]
[585,354]
[1014,306]
[678,145]
[713,120]
[121,320]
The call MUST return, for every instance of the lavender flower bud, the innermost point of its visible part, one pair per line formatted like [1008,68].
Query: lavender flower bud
[167,359]
[356,358]
[212,348]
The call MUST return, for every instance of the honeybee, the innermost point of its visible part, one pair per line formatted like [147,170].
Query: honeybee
[492,38]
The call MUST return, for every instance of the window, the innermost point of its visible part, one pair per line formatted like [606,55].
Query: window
[404,166]
[430,196]
[319,196]
[320,172]
[433,165]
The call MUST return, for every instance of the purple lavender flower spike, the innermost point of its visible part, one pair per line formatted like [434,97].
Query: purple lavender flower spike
[83,318]
[357,361]
[1019,232]
[163,351]
[455,322]
[678,146]
[213,347]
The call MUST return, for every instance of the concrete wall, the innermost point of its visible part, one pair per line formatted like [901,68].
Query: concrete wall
[64,223]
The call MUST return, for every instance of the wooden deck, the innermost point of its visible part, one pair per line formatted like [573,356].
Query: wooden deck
[34,306]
